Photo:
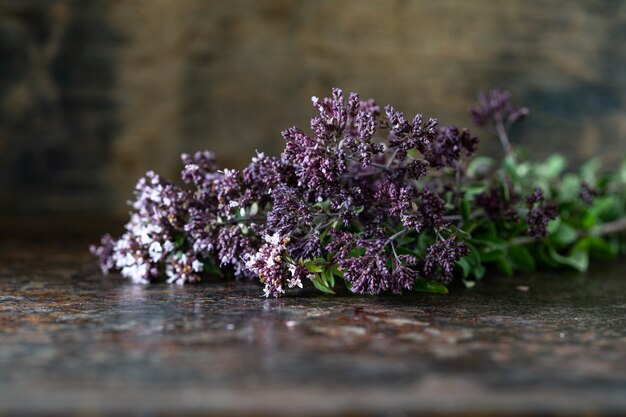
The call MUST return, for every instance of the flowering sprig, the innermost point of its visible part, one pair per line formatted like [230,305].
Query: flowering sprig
[373,200]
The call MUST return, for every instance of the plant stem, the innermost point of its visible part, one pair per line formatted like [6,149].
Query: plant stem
[504,137]
[610,228]
[605,229]
[395,236]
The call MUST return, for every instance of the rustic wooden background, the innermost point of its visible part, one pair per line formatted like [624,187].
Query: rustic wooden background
[95,92]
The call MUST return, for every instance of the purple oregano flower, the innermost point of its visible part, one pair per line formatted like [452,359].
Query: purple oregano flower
[343,200]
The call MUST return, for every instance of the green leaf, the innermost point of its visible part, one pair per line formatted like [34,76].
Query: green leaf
[600,248]
[522,259]
[209,268]
[589,219]
[491,256]
[413,153]
[471,264]
[564,235]
[505,265]
[589,171]
[311,267]
[423,242]
[554,225]
[605,206]
[510,167]
[569,189]
[551,168]
[473,258]
[356,252]
[474,189]
[430,286]
[479,271]
[578,257]
[337,272]
[324,205]
[490,248]
[244,228]
[466,210]
[254,209]
[180,240]
[466,268]
[469,284]
[321,285]
[544,256]
[329,277]
[481,164]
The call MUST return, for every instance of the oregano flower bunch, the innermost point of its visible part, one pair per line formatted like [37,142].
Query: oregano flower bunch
[374,201]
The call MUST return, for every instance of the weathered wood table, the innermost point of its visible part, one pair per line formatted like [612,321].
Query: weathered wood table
[73,342]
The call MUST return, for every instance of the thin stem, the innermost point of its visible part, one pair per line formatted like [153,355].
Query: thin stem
[395,236]
[605,229]
[390,161]
[241,220]
[373,164]
[395,254]
[611,228]
[503,135]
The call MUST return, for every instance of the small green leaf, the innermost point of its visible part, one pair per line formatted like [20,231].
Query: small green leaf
[244,228]
[510,167]
[180,240]
[569,189]
[479,271]
[589,171]
[554,225]
[311,267]
[578,257]
[473,258]
[551,168]
[466,210]
[423,242]
[209,268]
[355,252]
[328,277]
[321,285]
[337,272]
[430,286]
[474,189]
[522,259]
[600,248]
[480,165]
[564,235]
[324,205]
[469,284]
[589,219]
[491,254]
[544,256]
[254,209]
[413,153]
[605,206]
[466,268]
[505,265]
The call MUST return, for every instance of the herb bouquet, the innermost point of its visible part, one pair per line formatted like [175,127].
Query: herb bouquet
[376,202]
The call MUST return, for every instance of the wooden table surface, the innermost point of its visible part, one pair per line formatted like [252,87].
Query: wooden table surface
[73,342]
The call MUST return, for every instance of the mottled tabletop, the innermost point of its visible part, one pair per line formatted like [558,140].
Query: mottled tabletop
[73,342]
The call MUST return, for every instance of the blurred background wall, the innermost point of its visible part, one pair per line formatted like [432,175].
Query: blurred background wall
[95,92]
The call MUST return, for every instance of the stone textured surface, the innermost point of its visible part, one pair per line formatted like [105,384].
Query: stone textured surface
[94,93]
[75,343]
